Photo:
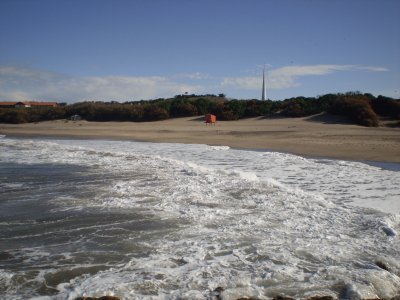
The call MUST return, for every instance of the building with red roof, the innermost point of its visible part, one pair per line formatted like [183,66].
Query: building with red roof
[23,104]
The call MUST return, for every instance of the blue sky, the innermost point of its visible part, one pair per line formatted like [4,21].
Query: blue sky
[75,50]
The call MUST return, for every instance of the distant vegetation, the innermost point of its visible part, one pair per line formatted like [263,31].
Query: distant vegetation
[362,109]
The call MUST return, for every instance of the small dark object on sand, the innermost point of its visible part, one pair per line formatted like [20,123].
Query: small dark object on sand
[321,298]
[382,265]
[281,297]
[6,256]
[216,293]
[98,298]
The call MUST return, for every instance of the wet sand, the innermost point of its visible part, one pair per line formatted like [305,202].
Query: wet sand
[321,135]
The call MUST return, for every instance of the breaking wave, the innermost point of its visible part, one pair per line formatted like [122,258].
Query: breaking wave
[156,221]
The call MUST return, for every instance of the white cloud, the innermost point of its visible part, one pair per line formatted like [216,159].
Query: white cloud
[122,88]
[373,69]
[308,70]
[17,83]
[285,77]
[254,83]
[321,70]
[13,96]
[24,83]
[248,83]
[16,73]
[193,76]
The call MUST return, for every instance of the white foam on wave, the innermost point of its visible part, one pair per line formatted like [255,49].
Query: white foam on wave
[219,147]
[228,204]
[5,278]
[257,224]
[343,181]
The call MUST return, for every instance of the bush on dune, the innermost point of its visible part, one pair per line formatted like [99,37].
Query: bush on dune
[182,109]
[19,116]
[387,107]
[13,116]
[357,109]
[362,109]
[154,112]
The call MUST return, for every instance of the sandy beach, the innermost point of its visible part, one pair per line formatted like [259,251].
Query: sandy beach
[324,136]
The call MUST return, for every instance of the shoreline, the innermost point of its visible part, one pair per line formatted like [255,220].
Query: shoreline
[386,165]
[329,138]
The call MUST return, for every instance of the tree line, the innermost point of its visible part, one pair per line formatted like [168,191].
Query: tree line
[362,109]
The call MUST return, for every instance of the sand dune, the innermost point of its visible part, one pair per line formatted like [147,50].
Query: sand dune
[315,136]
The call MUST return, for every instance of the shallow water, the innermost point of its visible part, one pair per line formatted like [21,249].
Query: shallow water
[173,221]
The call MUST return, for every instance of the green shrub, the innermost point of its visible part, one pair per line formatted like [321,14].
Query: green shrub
[14,116]
[182,109]
[388,107]
[154,112]
[358,110]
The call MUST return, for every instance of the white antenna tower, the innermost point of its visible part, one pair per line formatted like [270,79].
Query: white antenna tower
[263,93]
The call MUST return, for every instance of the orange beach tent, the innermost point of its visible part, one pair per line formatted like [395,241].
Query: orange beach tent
[210,119]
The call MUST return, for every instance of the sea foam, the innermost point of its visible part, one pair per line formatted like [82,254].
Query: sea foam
[169,221]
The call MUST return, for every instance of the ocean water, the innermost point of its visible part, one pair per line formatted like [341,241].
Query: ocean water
[172,221]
